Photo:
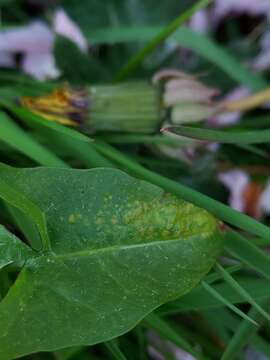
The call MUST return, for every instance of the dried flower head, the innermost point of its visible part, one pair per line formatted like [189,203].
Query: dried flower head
[66,105]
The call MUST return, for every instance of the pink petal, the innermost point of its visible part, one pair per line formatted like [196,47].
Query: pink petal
[154,354]
[199,22]
[6,60]
[167,74]
[33,38]
[223,120]
[231,118]
[223,8]
[40,66]
[63,25]
[187,90]
[262,61]
[235,181]
[265,199]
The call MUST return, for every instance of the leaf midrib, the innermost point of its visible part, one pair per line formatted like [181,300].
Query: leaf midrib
[90,252]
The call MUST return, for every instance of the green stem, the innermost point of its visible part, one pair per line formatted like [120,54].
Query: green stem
[158,39]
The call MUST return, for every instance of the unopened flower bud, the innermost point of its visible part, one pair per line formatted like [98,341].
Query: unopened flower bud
[188,112]
[187,90]
[136,107]
[188,99]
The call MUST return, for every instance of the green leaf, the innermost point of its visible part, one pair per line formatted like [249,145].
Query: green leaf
[12,250]
[120,247]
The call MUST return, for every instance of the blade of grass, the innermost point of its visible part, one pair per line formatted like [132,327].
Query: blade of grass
[207,48]
[11,134]
[78,149]
[220,210]
[166,140]
[243,334]
[219,328]
[76,143]
[19,79]
[32,119]
[200,44]
[135,61]
[230,322]
[254,150]
[241,291]
[227,303]
[166,331]
[114,349]
[200,333]
[139,334]
[259,242]
[226,137]
[209,279]
[247,252]
[66,354]
[261,345]
[144,139]
[199,299]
